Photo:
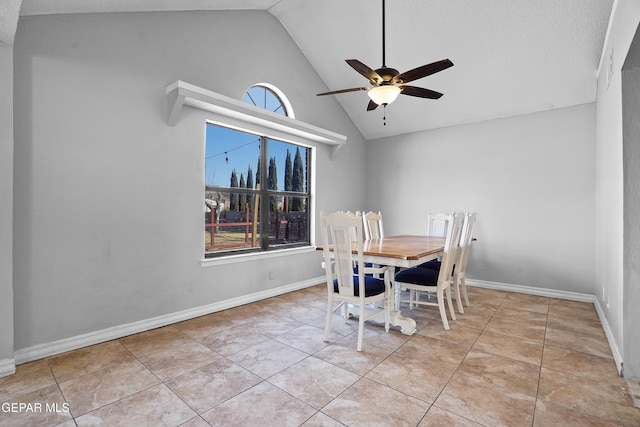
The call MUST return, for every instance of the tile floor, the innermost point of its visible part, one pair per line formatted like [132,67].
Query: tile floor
[510,360]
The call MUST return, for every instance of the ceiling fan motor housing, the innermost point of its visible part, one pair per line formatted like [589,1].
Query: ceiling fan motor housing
[387,74]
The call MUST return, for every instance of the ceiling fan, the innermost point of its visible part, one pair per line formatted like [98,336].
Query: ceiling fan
[387,83]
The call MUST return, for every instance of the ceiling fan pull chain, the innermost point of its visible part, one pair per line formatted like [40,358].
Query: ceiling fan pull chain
[384,117]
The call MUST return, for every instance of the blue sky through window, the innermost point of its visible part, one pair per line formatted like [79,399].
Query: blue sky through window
[228,149]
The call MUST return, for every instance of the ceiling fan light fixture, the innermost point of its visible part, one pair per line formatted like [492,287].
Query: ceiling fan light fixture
[385,94]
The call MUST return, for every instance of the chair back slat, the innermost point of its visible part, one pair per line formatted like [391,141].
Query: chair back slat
[438,223]
[340,232]
[451,244]
[465,241]
[373,225]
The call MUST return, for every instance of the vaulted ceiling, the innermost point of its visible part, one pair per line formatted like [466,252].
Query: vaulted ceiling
[511,56]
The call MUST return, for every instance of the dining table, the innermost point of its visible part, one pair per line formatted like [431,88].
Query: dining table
[402,251]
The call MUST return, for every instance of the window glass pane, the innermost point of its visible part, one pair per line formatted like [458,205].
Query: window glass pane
[286,226]
[263,97]
[228,227]
[288,163]
[231,158]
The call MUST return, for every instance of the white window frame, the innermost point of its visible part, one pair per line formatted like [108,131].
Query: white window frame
[234,114]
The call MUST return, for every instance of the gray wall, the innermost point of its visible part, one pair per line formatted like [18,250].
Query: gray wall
[529,177]
[631,156]
[614,280]
[6,205]
[110,223]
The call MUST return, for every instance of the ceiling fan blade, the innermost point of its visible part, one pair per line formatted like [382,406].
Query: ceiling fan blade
[363,69]
[423,71]
[420,92]
[353,89]
[372,106]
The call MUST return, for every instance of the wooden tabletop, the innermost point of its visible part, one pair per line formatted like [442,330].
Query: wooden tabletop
[410,248]
[402,251]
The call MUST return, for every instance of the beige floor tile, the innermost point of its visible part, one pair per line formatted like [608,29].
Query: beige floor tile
[233,340]
[338,324]
[43,407]
[273,325]
[457,333]
[89,359]
[521,315]
[577,325]
[307,338]
[486,403]
[580,364]
[268,358]
[375,334]
[422,347]
[548,414]
[599,399]
[262,405]
[540,305]
[527,297]
[210,385]
[634,389]
[322,420]
[177,358]
[503,372]
[574,340]
[515,348]
[207,325]
[437,417]
[314,381]
[573,309]
[516,329]
[28,378]
[474,317]
[196,422]
[105,386]
[156,406]
[345,354]
[266,363]
[154,340]
[423,379]
[368,403]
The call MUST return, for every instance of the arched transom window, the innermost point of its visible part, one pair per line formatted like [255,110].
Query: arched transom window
[269,97]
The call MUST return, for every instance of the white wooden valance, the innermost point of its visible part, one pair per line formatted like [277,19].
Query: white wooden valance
[180,94]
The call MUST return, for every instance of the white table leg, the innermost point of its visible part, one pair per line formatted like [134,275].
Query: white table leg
[407,324]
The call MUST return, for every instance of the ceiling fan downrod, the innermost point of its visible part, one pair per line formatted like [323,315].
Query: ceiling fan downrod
[384,61]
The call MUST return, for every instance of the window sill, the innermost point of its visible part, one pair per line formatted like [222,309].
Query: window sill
[255,256]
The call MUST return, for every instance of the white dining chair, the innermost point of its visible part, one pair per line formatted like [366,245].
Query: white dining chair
[437,224]
[460,269]
[460,263]
[423,280]
[373,225]
[366,286]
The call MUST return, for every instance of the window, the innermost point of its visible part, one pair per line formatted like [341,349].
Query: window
[257,192]
[267,96]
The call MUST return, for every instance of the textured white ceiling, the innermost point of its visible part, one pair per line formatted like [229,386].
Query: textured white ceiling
[511,56]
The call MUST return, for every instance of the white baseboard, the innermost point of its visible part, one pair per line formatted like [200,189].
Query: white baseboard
[615,350]
[545,292]
[7,367]
[41,351]
[553,293]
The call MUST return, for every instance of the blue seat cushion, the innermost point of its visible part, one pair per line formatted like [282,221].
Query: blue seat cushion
[434,264]
[372,286]
[418,276]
